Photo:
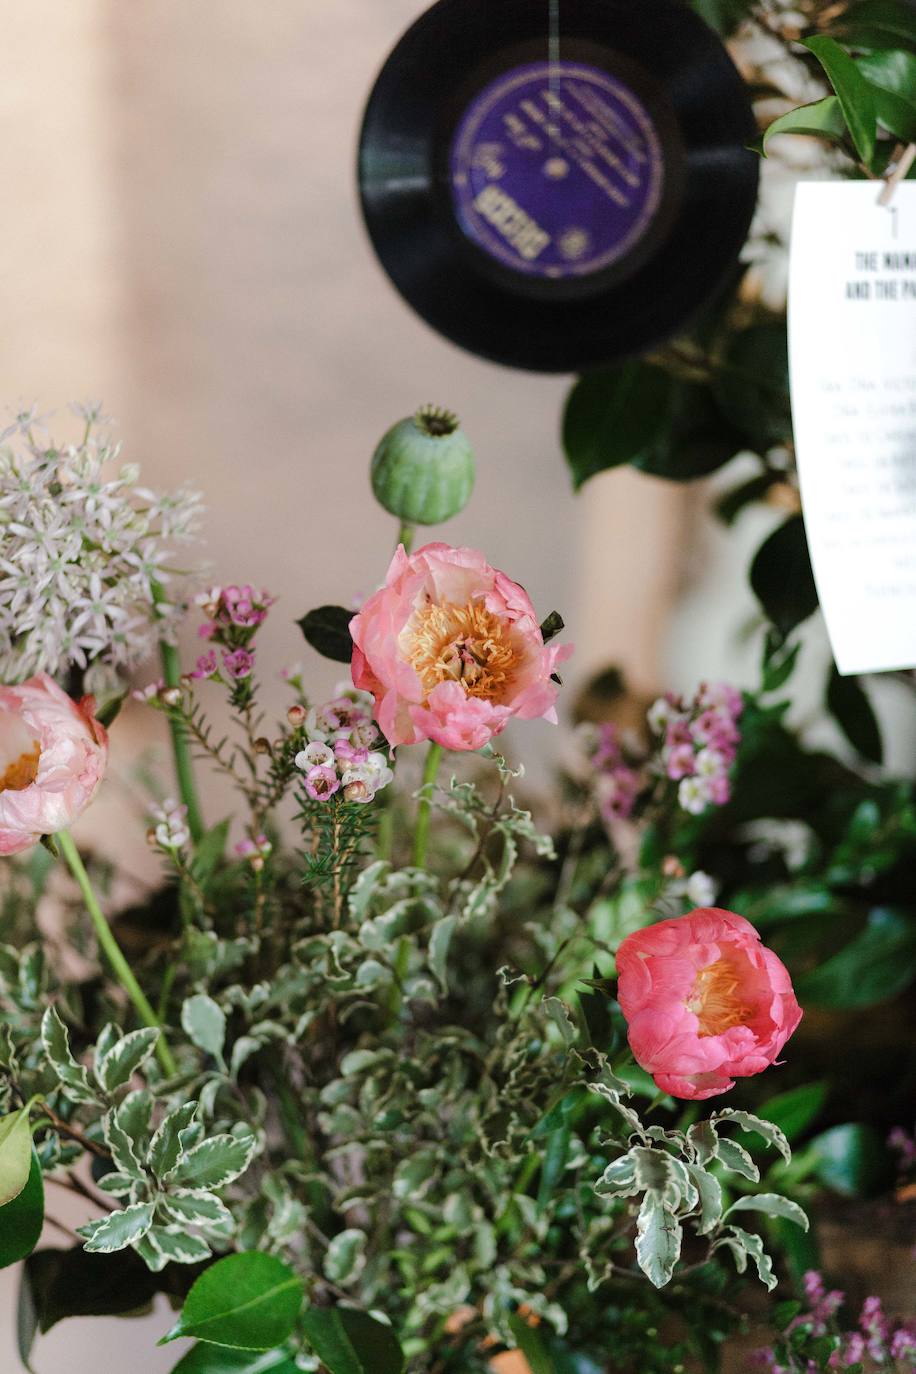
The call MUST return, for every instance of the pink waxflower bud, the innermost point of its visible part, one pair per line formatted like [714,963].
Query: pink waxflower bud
[296,716]
[451,649]
[53,755]
[705,1002]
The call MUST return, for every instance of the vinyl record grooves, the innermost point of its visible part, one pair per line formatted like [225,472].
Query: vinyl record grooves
[557,207]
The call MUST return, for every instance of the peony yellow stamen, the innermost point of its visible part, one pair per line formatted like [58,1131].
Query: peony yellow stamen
[715,1000]
[466,644]
[22,772]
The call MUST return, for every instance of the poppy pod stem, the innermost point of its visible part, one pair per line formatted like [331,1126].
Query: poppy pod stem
[113,951]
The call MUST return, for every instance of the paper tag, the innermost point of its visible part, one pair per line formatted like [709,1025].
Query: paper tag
[852,352]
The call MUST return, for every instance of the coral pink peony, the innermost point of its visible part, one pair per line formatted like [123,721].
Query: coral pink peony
[53,754]
[451,649]
[705,1001]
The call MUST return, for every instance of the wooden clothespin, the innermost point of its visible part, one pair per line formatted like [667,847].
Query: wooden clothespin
[896,171]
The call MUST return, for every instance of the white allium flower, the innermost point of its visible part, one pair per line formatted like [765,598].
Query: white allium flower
[82,550]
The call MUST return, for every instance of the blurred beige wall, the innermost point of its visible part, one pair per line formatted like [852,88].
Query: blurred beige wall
[181,237]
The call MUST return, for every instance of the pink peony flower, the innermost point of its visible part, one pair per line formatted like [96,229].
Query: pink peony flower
[53,754]
[450,649]
[705,1001]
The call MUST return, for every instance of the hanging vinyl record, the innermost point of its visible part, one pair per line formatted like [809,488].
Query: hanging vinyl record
[554,184]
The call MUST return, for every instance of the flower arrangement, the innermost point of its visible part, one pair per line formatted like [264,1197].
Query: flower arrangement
[360,1098]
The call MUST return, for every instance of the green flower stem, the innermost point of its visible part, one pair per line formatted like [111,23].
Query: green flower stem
[181,748]
[113,950]
[424,810]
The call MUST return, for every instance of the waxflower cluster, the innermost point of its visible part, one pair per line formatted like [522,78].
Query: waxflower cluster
[169,831]
[695,743]
[876,1343]
[699,740]
[88,573]
[234,615]
[338,757]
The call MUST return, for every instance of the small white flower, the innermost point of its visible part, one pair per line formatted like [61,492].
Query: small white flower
[701,889]
[660,715]
[171,832]
[691,795]
[709,763]
[315,755]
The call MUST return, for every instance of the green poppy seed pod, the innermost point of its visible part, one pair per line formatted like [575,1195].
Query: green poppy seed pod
[423,469]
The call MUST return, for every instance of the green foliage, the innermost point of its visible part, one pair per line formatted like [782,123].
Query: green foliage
[15,1154]
[851,1159]
[351,1342]
[852,710]
[248,1301]
[856,97]
[22,1218]
[876,24]
[214,1359]
[878,964]
[639,413]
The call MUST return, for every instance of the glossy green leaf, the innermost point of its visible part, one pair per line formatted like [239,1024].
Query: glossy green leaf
[852,1160]
[216,1359]
[850,707]
[875,24]
[21,1219]
[751,385]
[821,119]
[327,629]
[614,417]
[698,439]
[794,1111]
[874,967]
[782,579]
[15,1154]
[351,1342]
[249,1301]
[854,93]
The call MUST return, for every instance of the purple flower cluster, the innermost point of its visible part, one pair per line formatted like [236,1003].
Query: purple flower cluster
[885,1344]
[234,615]
[339,756]
[699,741]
